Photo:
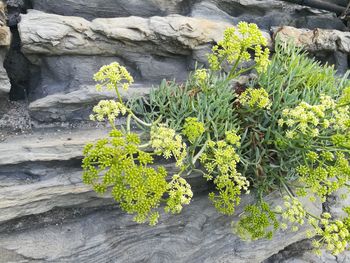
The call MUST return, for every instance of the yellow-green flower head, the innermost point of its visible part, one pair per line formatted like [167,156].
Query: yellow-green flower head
[108,110]
[113,75]
[193,129]
[166,142]
[233,138]
[237,43]
[255,98]
[308,120]
[201,76]
[220,160]
[180,194]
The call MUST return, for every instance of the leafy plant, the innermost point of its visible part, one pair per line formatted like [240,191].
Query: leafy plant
[287,130]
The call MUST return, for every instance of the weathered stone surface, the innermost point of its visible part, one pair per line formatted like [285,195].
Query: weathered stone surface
[151,48]
[5,85]
[198,234]
[37,191]
[301,252]
[5,39]
[315,40]
[50,34]
[64,74]
[49,146]
[38,188]
[337,201]
[112,8]
[266,13]
[77,105]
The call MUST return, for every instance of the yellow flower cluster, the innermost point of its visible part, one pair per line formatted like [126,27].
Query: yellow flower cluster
[193,129]
[110,163]
[201,76]
[236,45]
[261,58]
[255,98]
[306,118]
[324,173]
[180,194]
[294,213]
[221,158]
[112,75]
[108,109]
[310,119]
[165,141]
[233,138]
[333,234]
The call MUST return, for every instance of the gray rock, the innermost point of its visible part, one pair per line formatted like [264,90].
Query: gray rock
[198,234]
[317,40]
[38,188]
[337,201]
[64,74]
[76,105]
[52,188]
[5,85]
[5,39]
[49,34]
[112,8]
[266,13]
[301,252]
[52,146]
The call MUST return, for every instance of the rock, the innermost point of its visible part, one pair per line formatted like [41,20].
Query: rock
[112,8]
[301,252]
[5,39]
[14,9]
[51,146]
[14,117]
[266,13]
[76,105]
[337,201]
[64,74]
[152,49]
[198,234]
[5,85]
[49,34]
[315,40]
[37,188]
[29,193]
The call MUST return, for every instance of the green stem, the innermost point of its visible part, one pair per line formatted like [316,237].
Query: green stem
[119,96]
[196,157]
[229,77]
[128,123]
[140,121]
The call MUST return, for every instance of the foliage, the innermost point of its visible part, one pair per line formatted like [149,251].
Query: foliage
[287,130]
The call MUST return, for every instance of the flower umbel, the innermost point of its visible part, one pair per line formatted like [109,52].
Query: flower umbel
[113,75]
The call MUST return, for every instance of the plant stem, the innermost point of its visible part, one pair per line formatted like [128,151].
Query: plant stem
[140,121]
[128,123]
[119,96]
[196,157]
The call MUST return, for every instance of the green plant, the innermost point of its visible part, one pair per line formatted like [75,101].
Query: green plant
[288,130]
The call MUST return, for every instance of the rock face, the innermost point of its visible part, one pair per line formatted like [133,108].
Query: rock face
[5,40]
[76,105]
[315,40]
[40,172]
[46,213]
[112,8]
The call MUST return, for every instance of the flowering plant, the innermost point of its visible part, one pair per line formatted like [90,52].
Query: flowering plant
[288,130]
